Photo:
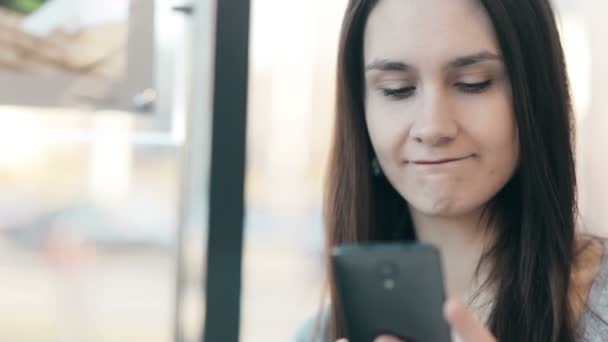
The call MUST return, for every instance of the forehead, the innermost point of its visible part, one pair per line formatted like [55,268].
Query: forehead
[427,31]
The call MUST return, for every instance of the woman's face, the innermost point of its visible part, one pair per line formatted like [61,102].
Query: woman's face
[438,104]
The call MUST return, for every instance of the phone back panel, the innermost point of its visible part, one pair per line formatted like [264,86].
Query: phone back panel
[394,288]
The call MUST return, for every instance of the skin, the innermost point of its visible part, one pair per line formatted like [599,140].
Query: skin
[438,109]
[448,99]
[439,115]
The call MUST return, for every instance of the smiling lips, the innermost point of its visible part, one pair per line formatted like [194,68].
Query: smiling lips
[437,161]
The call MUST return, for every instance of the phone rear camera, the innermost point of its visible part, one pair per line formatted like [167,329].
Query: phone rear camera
[389,284]
[387,270]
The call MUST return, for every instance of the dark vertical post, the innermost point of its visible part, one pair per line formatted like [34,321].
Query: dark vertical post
[226,202]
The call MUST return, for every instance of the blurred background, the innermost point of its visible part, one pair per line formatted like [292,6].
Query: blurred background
[102,210]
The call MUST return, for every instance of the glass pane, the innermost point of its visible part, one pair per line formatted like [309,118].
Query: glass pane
[584,30]
[86,233]
[64,37]
[198,59]
[81,54]
[289,118]
[90,202]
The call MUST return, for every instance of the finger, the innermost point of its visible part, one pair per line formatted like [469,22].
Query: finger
[386,338]
[464,323]
[342,340]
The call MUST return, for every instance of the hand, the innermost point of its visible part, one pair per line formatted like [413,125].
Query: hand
[378,339]
[464,324]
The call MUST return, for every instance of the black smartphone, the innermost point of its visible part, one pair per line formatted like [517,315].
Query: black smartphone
[391,288]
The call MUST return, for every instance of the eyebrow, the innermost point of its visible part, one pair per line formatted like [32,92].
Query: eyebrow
[388,65]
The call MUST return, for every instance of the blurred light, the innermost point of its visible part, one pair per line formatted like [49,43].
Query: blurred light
[292,89]
[20,137]
[111,158]
[74,15]
[577,51]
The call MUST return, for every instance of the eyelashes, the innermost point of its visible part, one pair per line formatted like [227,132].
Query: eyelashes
[405,92]
[398,93]
[474,87]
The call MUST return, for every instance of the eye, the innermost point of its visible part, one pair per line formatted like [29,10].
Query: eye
[474,88]
[398,93]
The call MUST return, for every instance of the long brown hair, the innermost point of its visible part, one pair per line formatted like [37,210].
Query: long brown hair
[534,247]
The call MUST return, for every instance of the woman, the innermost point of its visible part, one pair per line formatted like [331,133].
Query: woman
[454,127]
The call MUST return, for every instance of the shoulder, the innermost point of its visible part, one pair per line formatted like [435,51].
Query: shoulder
[593,269]
[599,284]
[588,261]
[589,267]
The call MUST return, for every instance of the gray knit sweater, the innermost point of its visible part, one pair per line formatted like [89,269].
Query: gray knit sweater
[592,325]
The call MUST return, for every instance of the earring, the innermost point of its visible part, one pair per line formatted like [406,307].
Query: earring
[376,170]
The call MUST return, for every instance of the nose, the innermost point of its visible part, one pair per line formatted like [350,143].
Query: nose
[434,124]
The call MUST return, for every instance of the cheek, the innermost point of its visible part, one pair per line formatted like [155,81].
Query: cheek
[499,150]
[491,124]
[501,142]
[387,126]
[382,129]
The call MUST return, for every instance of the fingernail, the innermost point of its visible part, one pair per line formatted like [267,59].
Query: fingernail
[387,339]
[451,307]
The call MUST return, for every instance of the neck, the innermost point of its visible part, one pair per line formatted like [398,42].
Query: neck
[461,241]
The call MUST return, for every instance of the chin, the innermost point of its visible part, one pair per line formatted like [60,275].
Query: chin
[444,208]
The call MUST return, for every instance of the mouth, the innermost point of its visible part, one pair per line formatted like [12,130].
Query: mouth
[438,161]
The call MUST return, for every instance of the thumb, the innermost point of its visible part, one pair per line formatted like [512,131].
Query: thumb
[464,323]
[386,338]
